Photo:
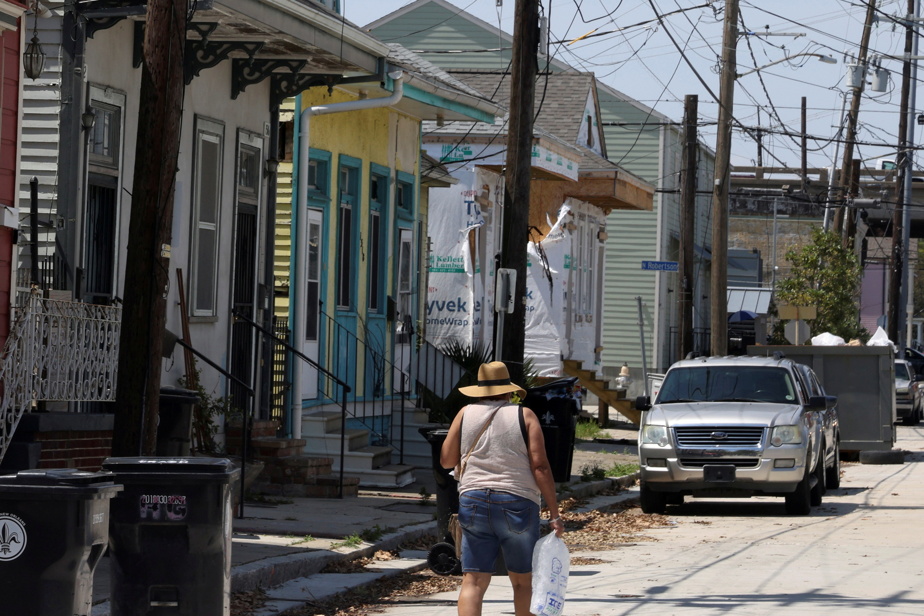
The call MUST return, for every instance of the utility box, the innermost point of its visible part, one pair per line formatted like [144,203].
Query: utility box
[862,378]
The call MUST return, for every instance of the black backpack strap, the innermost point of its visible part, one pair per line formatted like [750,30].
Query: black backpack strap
[523,427]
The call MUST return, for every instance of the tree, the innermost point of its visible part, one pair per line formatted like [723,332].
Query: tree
[826,275]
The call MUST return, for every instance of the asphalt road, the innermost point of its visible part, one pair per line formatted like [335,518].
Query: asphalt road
[862,551]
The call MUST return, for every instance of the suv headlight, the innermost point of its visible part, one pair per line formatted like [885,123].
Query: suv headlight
[785,435]
[654,435]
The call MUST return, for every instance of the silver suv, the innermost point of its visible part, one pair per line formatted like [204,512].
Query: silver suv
[733,426]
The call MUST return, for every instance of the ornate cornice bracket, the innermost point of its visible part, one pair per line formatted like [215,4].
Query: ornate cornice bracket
[249,72]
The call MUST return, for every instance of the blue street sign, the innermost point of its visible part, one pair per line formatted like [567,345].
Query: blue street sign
[661,266]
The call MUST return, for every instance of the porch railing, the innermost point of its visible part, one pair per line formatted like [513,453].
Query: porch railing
[57,351]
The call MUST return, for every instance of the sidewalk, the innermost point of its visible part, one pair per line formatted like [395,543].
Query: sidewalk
[281,546]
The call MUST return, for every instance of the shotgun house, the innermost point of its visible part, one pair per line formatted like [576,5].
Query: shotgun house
[349,265]
[573,190]
[244,59]
[640,140]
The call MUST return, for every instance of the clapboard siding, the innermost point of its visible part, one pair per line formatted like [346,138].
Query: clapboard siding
[39,148]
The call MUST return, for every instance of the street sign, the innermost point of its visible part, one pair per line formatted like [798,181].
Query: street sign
[661,266]
[797,332]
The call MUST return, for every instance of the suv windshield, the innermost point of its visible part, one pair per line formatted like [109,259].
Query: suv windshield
[901,371]
[727,384]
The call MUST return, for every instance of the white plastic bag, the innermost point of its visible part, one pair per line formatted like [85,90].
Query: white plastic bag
[551,563]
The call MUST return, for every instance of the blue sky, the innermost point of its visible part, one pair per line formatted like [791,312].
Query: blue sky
[630,51]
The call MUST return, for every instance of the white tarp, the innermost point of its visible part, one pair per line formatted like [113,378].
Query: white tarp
[546,289]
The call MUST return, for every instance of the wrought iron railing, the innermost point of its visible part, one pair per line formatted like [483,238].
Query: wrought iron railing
[57,351]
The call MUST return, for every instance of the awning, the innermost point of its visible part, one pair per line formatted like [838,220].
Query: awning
[755,300]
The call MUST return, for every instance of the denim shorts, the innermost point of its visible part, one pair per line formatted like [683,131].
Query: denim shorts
[493,521]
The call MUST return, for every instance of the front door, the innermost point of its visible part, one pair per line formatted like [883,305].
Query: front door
[313,307]
[100,239]
[242,333]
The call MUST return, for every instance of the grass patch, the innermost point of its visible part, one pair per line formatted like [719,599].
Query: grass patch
[621,469]
[304,539]
[587,430]
[371,535]
[350,541]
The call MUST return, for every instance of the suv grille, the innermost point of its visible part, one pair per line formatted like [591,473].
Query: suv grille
[737,462]
[719,436]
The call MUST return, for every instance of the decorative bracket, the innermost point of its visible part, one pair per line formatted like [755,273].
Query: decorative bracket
[249,72]
[203,53]
[288,85]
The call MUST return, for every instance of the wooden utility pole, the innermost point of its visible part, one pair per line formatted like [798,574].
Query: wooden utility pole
[687,219]
[850,135]
[515,234]
[718,300]
[804,148]
[896,314]
[148,258]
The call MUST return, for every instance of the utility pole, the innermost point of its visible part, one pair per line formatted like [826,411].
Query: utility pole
[850,137]
[515,234]
[718,300]
[804,149]
[148,258]
[898,278]
[687,218]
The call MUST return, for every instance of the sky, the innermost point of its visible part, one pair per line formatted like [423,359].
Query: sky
[658,63]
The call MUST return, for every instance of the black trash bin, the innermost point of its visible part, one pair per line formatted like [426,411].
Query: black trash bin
[170,536]
[174,428]
[442,556]
[54,527]
[557,406]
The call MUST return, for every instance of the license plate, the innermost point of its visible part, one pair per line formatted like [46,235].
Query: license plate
[719,473]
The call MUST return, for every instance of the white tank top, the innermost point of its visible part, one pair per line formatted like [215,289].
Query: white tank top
[500,460]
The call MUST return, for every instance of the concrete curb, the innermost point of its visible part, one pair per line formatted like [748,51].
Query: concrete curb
[270,572]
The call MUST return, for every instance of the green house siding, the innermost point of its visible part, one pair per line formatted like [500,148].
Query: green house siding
[433,27]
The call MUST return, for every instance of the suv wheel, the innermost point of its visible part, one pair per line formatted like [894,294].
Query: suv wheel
[800,501]
[652,502]
[818,490]
[833,472]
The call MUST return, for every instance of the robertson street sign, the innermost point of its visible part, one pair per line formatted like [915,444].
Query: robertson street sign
[661,266]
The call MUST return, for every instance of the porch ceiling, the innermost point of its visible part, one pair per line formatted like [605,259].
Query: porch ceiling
[298,44]
[611,190]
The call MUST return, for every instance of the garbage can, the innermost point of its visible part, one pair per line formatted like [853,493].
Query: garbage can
[54,527]
[557,406]
[447,488]
[174,428]
[170,536]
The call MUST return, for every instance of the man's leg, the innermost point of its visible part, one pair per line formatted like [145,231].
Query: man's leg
[471,596]
[522,592]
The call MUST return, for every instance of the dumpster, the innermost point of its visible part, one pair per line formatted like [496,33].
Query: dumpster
[557,406]
[174,428]
[54,527]
[170,536]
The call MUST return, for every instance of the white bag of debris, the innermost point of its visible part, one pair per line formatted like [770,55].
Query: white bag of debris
[827,339]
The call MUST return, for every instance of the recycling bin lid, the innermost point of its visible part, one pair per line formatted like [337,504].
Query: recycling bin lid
[566,385]
[58,483]
[152,464]
[56,477]
[434,434]
[178,394]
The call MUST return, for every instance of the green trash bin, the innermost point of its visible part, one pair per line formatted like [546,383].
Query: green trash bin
[170,536]
[54,527]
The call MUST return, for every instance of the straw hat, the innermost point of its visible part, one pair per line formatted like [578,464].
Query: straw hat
[493,380]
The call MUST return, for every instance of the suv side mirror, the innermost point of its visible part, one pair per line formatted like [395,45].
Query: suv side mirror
[642,403]
[818,403]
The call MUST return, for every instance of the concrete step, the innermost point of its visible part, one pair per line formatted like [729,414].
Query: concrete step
[365,458]
[389,476]
[329,443]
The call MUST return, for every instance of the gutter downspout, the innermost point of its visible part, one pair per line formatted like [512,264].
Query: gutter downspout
[301,229]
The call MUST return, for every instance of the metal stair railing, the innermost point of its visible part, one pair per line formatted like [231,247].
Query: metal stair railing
[332,382]
[57,351]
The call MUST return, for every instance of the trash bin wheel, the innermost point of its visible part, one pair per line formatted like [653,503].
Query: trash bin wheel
[442,560]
